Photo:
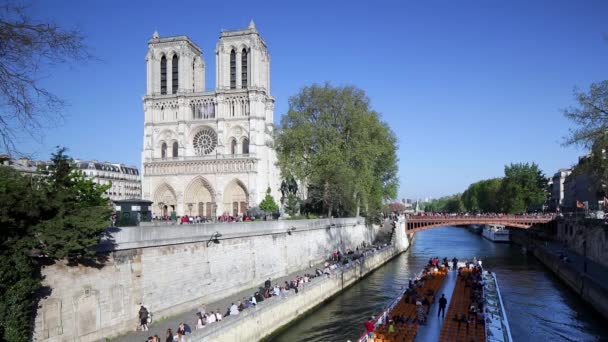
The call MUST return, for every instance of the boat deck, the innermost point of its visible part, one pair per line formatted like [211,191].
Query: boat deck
[430,331]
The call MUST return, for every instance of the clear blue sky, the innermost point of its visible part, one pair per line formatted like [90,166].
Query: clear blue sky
[467,86]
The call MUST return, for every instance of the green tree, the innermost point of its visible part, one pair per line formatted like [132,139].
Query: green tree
[591,117]
[333,141]
[292,205]
[483,196]
[524,188]
[268,204]
[43,219]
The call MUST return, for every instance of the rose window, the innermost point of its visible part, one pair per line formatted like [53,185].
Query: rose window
[205,141]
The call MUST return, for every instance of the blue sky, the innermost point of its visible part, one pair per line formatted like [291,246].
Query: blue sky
[467,86]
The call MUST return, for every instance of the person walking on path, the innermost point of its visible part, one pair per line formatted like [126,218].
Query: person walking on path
[143,318]
[443,302]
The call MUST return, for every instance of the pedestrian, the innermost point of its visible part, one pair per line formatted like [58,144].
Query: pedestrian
[370,327]
[169,335]
[143,318]
[442,304]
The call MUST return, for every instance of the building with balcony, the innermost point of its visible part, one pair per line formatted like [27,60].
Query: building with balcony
[206,153]
[124,180]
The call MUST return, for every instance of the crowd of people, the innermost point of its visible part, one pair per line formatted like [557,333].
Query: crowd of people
[491,215]
[195,219]
[472,280]
[297,283]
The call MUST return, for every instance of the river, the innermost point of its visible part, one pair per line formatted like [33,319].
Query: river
[538,305]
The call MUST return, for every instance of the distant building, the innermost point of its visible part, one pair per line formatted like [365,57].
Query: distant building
[125,180]
[557,188]
[578,187]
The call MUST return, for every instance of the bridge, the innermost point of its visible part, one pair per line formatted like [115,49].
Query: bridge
[420,223]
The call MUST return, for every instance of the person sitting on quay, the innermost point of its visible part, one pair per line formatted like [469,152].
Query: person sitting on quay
[200,322]
[234,310]
[277,290]
[218,316]
[254,302]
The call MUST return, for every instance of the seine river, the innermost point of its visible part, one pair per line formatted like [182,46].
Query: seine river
[538,305]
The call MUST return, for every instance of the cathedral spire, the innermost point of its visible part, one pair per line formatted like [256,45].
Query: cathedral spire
[155,35]
[251,25]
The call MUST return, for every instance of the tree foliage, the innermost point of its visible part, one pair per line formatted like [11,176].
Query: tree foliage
[268,204]
[483,196]
[27,47]
[523,189]
[591,131]
[591,117]
[292,205]
[332,141]
[43,219]
[451,204]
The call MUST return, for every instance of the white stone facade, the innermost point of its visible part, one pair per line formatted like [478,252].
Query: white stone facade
[124,180]
[206,153]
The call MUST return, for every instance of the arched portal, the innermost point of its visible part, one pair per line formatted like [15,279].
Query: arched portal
[236,198]
[165,201]
[199,198]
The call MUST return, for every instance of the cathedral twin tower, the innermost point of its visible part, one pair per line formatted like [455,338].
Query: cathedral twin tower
[207,153]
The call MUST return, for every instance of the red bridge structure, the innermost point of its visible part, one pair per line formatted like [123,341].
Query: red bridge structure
[420,223]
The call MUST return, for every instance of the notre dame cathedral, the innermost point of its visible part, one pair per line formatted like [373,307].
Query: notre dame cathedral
[206,153]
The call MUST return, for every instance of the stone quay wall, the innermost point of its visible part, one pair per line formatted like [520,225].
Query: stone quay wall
[586,237]
[590,290]
[173,268]
[269,317]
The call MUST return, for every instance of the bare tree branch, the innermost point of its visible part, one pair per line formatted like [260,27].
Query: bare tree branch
[28,48]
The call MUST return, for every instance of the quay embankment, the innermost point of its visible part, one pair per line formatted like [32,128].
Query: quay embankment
[272,316]
[591,284]
[173,269]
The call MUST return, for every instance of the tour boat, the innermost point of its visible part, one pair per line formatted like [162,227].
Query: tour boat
[495,326]
[496,233]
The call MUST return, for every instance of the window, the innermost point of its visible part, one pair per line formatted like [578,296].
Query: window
[245,146]
[175,80]
[204,141]
[233,147]
[232,69]
[163,151]
[244,69]
[175,149]
[163,75]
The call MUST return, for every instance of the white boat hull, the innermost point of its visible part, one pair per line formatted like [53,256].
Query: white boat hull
[496,235]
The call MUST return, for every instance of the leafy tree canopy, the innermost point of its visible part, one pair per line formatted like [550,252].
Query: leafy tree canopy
[58,215]
[268,204]
[333,142]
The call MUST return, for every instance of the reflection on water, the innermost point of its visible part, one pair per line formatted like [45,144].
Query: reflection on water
[539,307]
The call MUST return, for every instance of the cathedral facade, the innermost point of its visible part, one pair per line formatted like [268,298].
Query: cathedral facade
[206,153]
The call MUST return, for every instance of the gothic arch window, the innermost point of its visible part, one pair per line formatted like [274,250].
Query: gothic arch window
[163,151]
[163,75]
[232,69]
[175,149]
[244,69]
[245,146]
[174,74]
[233,146]
[204,141]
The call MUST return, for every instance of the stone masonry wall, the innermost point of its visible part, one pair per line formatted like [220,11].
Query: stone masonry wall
[171,269]
[594,232]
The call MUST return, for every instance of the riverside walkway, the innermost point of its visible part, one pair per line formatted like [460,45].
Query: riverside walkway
[160,325]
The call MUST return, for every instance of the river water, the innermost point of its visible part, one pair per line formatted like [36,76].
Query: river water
[538,305]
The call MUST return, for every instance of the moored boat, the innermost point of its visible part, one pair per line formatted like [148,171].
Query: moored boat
[496,233]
